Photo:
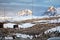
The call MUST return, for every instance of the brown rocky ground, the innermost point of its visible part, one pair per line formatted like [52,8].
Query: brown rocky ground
[37,29]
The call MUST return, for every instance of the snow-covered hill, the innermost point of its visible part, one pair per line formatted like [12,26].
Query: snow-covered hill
[23,18]
[20,18]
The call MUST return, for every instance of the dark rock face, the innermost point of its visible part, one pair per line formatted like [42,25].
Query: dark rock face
[15,26]
[1,25]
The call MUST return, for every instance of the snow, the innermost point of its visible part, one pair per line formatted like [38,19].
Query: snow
[48,21]
[20,18]
[54,38]
[23,35]
[42,21]
[58,10]
[54,21]
[9,38]
[53,29]
[26,25]
[3,19]
[8,25]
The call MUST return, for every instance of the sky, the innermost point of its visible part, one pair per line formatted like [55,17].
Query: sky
[12,7]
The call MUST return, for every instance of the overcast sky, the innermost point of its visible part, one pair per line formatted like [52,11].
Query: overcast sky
[11,7]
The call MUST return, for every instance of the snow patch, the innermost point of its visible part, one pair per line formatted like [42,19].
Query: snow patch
[8,25]
[26,25]
[23,35]
[53,29]
[49,21]
[9,38]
